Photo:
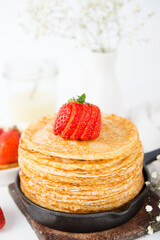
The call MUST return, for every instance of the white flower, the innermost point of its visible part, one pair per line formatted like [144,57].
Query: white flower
[154,174]
[137,9]
[147,183]
[158,157]
[158,218]
[159,205]
[151,14]
[148,208]
[150,230]
[146,40]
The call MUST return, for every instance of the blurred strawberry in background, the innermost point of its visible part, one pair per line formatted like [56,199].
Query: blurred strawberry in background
[1,131]
[2,219]
[9,142]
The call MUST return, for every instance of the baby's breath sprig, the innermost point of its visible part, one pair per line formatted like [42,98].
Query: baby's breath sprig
[148,207]
[97,25]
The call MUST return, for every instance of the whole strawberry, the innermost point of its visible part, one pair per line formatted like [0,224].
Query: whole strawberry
[78,119]
[9,141]
[2,219]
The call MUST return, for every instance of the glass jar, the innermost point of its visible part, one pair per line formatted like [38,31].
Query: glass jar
[31,87]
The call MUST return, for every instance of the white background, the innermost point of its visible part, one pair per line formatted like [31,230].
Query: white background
[138,65]
[138,74]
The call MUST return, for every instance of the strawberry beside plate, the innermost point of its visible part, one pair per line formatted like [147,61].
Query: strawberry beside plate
[9,142]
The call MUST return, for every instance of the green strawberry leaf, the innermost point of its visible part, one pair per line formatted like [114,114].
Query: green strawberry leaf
[80,99]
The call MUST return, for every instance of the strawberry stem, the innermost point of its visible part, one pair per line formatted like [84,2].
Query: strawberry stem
[16,128]
[80,99]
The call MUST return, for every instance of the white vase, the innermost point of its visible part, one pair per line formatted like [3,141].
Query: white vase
[94,74]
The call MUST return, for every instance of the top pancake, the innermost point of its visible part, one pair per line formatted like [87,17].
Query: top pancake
[118,137]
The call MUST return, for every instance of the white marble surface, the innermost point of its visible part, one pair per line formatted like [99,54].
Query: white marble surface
[16,227]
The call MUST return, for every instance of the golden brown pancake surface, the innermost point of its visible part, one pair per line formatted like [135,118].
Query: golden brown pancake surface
[118,136]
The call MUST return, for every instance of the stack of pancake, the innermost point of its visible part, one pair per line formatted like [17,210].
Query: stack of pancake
[81,176]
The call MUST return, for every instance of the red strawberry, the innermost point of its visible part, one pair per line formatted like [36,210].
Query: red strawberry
[96,130]
[1,131]
[78,120]
[2,219]
[73,121]
[9,142]
[63,117]
[89,130]
[86,114]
